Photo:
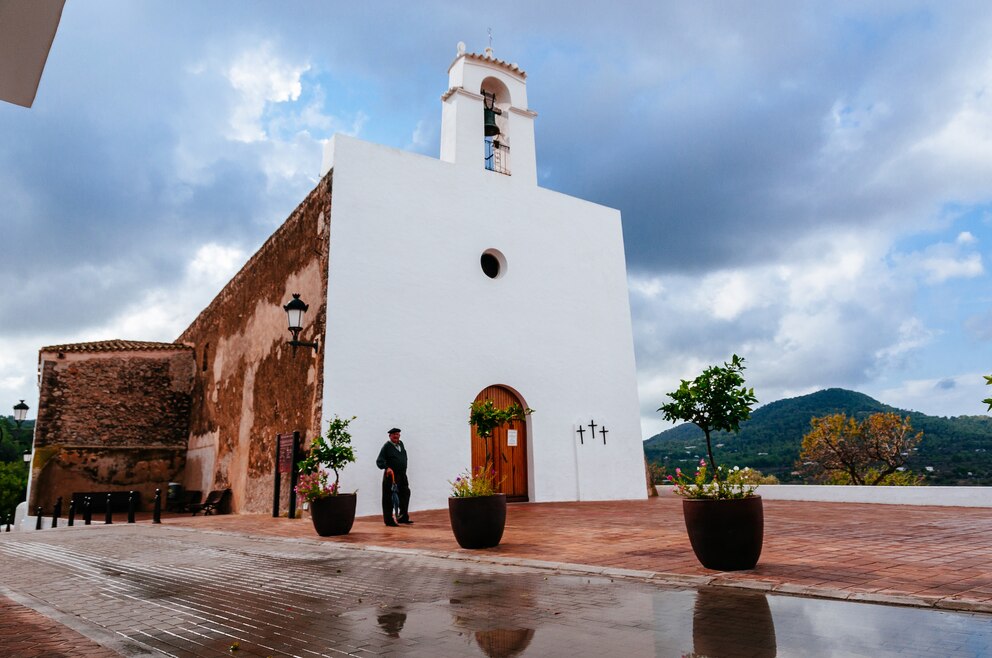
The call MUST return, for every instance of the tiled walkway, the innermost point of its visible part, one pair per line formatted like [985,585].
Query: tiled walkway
[26,634]
[172,590]
[925,556]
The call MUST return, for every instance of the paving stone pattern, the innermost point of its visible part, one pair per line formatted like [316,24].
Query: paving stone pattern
[195,592]
[928,556]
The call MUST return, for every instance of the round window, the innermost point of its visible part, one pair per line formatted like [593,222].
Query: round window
[493,263]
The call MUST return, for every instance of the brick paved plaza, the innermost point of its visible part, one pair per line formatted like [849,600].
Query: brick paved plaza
[592,579]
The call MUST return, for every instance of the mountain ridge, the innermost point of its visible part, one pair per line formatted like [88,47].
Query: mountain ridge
[958,449]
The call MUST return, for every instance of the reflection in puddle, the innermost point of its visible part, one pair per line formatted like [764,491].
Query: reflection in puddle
[392,622]
[718,618]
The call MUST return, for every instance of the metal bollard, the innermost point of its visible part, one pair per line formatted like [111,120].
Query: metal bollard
[87,510]
[8,523]
[108,517]
[132,502]
[57,512]
[72,511]
[37,513]
[157,511]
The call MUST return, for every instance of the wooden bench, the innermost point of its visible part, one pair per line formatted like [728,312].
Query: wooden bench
[216,502]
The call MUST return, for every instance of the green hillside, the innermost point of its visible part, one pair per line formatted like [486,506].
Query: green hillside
[959,449]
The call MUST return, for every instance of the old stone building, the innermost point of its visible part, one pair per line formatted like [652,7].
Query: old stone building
[432,282]
[112,415]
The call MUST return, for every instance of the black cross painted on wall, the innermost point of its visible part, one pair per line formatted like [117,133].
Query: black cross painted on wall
[603,431]
[582,433]
[592,426]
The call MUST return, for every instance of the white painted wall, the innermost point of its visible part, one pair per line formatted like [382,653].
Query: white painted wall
[415,330]
[938,496]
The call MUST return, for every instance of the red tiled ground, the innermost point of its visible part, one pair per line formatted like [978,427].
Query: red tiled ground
[925,552]
[26,634]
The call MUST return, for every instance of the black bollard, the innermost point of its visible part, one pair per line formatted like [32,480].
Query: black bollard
[72,511]
[157,511]
[132,502]
[8,523]
[108,517]
[87,510]
[57,512]
[37,513]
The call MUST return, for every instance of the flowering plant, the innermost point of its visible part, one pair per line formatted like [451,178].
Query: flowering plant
[313,486]
[331,450]
[480,483]
[722,483]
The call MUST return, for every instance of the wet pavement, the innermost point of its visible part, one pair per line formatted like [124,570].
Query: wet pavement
[194,591]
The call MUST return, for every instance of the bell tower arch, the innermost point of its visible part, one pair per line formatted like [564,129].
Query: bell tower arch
[485,118]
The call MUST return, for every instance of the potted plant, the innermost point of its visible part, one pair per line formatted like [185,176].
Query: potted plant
[476,508]
[723,516]
[332,512]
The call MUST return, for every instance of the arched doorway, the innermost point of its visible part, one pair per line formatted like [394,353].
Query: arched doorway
[508,446]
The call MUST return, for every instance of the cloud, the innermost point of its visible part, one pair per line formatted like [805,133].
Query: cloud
[260,78]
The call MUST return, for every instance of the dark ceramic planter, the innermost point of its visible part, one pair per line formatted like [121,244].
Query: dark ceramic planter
[478,521]
[726,535]
[333,515]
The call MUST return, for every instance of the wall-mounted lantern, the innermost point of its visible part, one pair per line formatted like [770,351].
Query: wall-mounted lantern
[295,310]
[20,412]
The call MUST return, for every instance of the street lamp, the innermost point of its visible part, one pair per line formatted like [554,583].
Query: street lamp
[20,412]
[295,310]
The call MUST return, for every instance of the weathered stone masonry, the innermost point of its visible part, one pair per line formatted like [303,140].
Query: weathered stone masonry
[249,385]
[112,415]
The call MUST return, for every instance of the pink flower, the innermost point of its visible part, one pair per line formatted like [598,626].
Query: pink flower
[702,462]
[678,471]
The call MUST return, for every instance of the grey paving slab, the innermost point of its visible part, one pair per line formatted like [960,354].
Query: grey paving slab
[169,591]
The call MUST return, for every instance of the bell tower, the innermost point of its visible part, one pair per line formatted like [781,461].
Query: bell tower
[485,121]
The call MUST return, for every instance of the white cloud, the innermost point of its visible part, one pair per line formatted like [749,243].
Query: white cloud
[260,77]
[829,314]
[955,395]
[965,237]
[942,261]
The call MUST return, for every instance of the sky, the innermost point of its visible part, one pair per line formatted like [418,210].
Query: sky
[805,184]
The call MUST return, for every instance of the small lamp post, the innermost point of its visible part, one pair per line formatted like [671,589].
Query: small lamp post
[295,310]
[20,412]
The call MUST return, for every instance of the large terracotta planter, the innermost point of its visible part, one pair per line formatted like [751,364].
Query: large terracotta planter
[726,535]
[333,515]
[478,521]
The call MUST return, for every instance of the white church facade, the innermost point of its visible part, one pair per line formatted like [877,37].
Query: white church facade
[457,277]
[432,282]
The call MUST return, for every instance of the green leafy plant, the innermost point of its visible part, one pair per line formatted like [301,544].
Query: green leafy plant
[486,417]
[988,382]
[330,450]
[716,400]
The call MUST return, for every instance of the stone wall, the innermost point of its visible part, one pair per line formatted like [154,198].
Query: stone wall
[249,385]
[111,420]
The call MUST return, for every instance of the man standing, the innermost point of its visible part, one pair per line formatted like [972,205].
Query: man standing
[393,459]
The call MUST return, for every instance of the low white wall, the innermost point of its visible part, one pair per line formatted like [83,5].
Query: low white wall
[940,496]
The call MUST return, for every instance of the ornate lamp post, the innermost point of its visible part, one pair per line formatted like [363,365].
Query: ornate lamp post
[20,412]
[295,311]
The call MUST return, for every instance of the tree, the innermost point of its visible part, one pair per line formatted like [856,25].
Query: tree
[13,487]
[840,450]
[716,400]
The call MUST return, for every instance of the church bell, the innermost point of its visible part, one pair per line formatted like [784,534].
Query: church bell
[491,129]
[489,112]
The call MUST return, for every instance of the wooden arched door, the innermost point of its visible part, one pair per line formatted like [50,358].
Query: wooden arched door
[507,445]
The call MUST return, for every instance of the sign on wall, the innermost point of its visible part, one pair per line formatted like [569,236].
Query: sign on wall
[511,438]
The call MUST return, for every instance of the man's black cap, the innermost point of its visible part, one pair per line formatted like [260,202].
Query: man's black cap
[395,430]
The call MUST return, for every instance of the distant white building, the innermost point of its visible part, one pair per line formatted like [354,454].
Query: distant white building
[459,278]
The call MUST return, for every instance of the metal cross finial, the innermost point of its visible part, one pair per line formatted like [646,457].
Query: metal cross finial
[603,431]
[582,434]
